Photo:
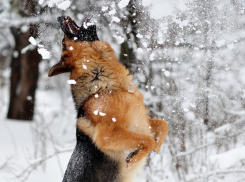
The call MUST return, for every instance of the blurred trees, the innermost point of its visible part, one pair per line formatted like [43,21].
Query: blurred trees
[24,64]
[189,66]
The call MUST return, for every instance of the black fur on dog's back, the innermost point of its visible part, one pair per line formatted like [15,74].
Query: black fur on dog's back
[89,164]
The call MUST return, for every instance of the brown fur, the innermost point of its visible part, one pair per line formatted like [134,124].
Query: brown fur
[115,117]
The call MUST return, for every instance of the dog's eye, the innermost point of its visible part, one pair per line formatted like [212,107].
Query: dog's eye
[63,46]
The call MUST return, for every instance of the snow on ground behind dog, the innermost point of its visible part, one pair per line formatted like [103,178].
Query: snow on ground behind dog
[26,144]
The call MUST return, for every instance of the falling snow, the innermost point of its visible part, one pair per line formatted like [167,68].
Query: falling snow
[123,3]
[44,53]
[32,41]
[64,5]
[187,58]
[71,82]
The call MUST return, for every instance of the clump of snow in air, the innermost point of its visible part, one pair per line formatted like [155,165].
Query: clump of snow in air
[87,24]
[123,3]
[96,112]
[114,119]
[161,8]
[24,28]
[102,114]
[71,48]
[41,2]
[71,82]
[104,8]
[112,12]
[84,66]
[29,98]
[152,57]
[139,36]
[177,43]
[15,54]
[115,19]
[167,73]
[190,115]
[145,44]
[64,5]
[32,41]
[119,39]
[96,95]
[140,50]
[44,53]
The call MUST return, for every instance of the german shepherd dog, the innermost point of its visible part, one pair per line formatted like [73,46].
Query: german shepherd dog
[114,131]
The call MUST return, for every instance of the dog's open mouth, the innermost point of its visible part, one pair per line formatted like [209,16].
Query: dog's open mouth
[87,32]
[69,26]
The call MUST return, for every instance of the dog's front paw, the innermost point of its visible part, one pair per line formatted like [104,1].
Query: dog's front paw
[129,160]
[158,146]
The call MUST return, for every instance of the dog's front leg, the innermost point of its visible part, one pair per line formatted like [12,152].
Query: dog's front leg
[120,139]
[160,128]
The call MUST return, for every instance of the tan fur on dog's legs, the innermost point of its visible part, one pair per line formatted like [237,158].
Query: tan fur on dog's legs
[122,139]
[160,128]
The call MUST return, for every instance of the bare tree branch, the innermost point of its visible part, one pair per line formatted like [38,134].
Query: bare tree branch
[215,173]
[198,47]
[27,171]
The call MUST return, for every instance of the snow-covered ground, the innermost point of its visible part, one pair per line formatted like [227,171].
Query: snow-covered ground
[25,145]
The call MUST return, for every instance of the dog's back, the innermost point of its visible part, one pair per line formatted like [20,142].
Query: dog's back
[89,164]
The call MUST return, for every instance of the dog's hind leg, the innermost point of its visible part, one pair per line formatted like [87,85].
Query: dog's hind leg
[160,128]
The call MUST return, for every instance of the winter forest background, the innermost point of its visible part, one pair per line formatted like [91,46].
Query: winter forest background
[187,57]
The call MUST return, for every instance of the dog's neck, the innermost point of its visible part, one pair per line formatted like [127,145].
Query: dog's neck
[83,89]
[96,70]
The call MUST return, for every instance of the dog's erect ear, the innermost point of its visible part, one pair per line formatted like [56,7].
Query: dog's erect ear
[87,32]
[58,69]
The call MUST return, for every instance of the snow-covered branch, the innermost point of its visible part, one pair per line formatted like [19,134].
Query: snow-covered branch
[194,150]
[199,47]
[24,174]
[17,22]
[215,173]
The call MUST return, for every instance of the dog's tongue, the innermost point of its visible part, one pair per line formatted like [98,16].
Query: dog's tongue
[87,32]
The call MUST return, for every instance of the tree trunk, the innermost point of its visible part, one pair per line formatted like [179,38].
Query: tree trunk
[24,75]
[127,55]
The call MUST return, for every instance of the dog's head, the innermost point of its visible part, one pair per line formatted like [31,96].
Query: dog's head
[82,50]
[91,62]
[74,37]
